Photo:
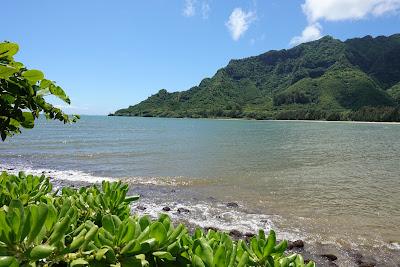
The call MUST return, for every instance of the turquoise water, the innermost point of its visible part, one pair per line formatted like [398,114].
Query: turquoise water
[330,182]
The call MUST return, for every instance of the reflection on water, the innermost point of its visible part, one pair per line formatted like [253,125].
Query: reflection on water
[345,176]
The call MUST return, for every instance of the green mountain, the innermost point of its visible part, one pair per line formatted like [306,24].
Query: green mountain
[358,79]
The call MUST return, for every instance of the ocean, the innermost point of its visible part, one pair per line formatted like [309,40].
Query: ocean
[335,185]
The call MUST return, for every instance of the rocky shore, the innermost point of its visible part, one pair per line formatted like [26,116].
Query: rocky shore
[324,255]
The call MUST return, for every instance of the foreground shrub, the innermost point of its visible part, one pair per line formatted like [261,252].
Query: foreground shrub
[53,230]
[27,188]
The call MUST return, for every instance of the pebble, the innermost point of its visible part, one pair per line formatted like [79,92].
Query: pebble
[232,205]
[295,244]
[183,210]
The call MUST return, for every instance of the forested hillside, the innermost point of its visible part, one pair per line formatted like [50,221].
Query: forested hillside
[358,79]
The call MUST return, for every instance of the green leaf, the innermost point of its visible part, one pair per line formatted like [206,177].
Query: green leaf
[281,247]
[59,92]
[243,260]
[158,232]
[271,242]
[197,262]
[8,261]
[33,76]
[41,252]
[45,84]
[28,121]
[220,256]
[204,251]
[131,247]
[147,245]
[164,255]
[79,262]
[38,217]
[6,71]
[111,223]
[299,261]
[8,49]
[100,254]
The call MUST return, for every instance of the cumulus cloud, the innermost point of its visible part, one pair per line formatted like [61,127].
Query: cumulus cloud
[340,10]
[310,33]
[336,10]
[189,9]
[239,22]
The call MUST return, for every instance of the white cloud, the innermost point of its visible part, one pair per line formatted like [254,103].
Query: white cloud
[310,33]
[340,10]
[189,9]
[239,22]
[205,9]
[337,10]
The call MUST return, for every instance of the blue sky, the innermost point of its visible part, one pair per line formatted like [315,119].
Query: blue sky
[111,54]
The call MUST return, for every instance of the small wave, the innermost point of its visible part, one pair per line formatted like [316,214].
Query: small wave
[70,175]
[393,246]
[206,215]
[80,176]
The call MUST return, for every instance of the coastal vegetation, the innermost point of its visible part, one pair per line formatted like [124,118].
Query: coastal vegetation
[22,94]
[358,79]
[93,226]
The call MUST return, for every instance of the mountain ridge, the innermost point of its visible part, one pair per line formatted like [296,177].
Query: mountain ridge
[356,79]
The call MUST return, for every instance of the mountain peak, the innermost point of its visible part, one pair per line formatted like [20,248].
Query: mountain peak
[323,79]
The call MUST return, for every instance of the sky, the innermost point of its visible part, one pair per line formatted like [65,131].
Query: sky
[108,55]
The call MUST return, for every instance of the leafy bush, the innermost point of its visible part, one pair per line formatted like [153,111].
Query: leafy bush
[26,188]
[64,230]
[94,204]
[22,94]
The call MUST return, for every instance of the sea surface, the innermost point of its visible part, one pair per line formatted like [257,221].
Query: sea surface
[335,185]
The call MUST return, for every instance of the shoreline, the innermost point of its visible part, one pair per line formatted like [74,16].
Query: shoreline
[263,120]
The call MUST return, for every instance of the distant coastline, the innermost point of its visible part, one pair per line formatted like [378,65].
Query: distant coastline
[266,120]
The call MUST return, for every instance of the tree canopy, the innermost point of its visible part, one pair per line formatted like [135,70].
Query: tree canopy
[22,94]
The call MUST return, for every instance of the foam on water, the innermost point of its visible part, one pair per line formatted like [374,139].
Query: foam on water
[70,175]
[201,214]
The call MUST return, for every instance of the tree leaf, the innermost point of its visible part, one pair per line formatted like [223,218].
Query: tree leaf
[33,76]
[8,49]
[29,120]
[7,71]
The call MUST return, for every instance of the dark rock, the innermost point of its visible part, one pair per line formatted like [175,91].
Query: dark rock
[364,261]
[248,234]
[166,209]
[210,228]
[296,244]
[232,205]
[367,264]
[330,257]
[235,234]
[183,210]
[141,207]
